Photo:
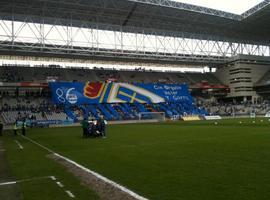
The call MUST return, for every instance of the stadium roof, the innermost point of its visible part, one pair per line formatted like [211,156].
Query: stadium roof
[147,16]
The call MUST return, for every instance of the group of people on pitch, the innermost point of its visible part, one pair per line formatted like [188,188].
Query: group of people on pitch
[94,128]
[21,126]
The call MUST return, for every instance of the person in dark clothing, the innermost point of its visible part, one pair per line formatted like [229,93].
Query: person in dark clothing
[1,128]
[23,127]
[84,127]
[102,127]
[91,129]
[15,128]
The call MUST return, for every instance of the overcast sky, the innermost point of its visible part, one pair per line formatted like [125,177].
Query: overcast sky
[233,6]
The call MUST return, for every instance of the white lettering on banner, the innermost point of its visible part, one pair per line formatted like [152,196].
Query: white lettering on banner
[171,93]
[59,92]
[158,87]
[177,98]
[173,88]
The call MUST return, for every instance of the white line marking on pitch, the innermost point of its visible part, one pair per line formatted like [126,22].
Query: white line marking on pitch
[38,144]
[19,144]
[70,194]
[60,184]
[24,180]
[8,183]
[2,150]
[103,178]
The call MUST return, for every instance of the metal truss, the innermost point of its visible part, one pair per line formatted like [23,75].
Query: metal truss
[140,16]
[256,8]
[204,10]
[55,39]
[189,7]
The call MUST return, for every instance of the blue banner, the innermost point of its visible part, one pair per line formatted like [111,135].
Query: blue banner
[98,92]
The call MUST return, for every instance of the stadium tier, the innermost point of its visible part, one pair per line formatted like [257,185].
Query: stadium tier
[25,91]
[74,101]
[15,74]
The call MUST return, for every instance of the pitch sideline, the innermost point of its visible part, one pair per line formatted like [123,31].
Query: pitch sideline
[97,175]
[19,144]
[24,180]
[68,192]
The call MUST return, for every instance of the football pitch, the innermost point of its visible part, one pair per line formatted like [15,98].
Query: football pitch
[167,161]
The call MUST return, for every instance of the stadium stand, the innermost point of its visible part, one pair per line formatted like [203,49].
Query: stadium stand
[38,74]
[244,109]
[38,104]
[11,113]
[35,103]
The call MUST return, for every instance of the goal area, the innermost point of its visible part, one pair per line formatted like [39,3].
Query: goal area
[152,116]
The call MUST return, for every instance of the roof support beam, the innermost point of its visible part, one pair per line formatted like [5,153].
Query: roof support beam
[85,41]
[256,8]
[189,7]
[130,14]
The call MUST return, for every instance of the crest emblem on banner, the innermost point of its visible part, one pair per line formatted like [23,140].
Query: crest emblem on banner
[93,90]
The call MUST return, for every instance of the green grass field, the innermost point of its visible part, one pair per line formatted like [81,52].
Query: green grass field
[168,161]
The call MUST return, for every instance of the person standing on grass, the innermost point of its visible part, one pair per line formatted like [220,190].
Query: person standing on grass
[91,128]
[23,127]
[15,128]
[84,127]
[102,127]
[1,128]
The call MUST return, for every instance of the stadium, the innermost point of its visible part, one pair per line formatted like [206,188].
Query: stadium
[134,100]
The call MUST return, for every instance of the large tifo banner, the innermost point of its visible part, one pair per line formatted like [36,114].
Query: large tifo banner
[96,92]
